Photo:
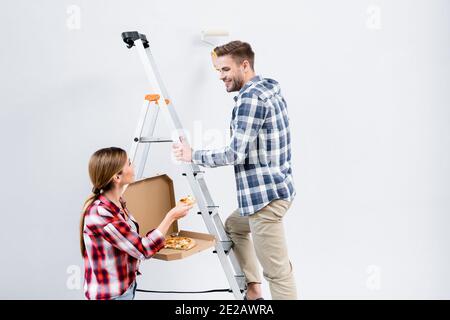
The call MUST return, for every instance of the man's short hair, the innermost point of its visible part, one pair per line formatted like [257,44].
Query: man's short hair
[238,50]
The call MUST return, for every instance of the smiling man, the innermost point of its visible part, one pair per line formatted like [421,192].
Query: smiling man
[260,151]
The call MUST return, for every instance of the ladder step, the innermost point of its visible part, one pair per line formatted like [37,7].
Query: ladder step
[226,245]
[240,278]
[211,213]
[152,140]
[226,251]
[213,210]
[197,174]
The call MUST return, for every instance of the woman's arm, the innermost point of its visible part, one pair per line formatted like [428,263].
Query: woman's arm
[120,235]
[176,213]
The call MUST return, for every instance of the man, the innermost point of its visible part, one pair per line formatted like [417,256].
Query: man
[260,151]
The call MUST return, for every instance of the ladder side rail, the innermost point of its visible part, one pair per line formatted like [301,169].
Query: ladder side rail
[211,227]
[151,130]
[138,131]
[200,190]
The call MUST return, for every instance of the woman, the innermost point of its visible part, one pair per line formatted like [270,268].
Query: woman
[109,235]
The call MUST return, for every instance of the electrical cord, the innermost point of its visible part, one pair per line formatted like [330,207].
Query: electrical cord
[205,291]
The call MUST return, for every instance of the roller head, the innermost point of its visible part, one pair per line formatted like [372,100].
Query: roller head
[214,33]
[209,34]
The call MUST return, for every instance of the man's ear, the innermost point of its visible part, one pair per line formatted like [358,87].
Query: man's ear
[214,60]
[246,65]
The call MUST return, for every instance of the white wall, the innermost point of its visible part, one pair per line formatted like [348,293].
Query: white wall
[369,105]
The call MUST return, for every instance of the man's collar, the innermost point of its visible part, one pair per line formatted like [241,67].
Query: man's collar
[248,84]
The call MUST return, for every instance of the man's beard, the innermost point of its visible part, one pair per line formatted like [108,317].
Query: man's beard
[236,85]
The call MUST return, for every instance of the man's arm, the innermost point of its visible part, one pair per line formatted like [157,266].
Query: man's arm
[249,119]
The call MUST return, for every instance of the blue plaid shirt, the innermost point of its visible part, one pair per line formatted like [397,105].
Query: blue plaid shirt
[260,147]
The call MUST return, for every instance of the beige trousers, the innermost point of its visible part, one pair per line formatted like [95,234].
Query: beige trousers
[268,247]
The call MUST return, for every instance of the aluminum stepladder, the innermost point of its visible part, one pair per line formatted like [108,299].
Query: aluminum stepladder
[153,103]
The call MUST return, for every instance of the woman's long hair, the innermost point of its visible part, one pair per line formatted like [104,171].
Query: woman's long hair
[103,166]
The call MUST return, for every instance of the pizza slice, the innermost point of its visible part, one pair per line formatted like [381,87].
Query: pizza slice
[189,200]
[180,243]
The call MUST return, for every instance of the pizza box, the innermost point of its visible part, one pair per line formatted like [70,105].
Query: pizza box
[148,200]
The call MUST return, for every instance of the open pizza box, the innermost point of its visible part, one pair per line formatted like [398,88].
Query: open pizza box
[148,201]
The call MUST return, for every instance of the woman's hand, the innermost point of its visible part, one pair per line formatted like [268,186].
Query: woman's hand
[180,211]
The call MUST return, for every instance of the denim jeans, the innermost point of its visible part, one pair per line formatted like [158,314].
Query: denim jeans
[129,294]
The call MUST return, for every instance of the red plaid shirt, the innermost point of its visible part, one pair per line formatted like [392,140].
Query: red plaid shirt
[113,249]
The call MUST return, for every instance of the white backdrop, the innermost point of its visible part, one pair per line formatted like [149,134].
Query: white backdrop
[367,89]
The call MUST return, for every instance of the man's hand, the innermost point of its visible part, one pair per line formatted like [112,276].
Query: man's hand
[182,151]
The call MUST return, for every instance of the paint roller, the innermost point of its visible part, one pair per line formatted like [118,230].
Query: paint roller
[207,35]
